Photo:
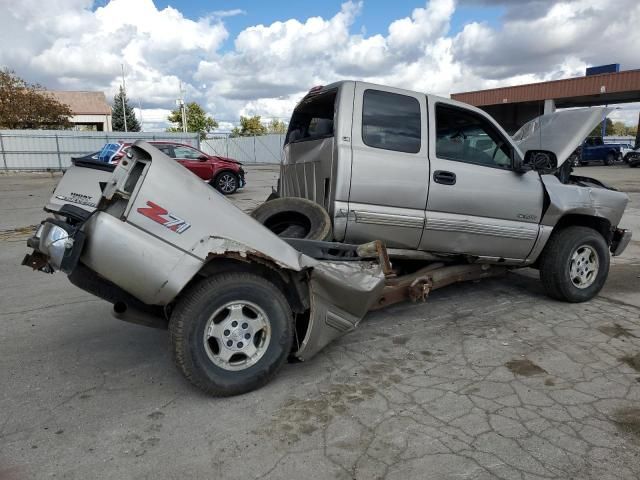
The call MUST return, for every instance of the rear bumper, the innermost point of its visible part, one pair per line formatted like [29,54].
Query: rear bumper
[621,239]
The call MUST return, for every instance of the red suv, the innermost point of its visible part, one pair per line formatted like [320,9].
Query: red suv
[222,173]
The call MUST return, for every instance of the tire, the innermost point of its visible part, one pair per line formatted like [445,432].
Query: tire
[294,217]
[226,182]
[610,158]
[574,264]
[231,306]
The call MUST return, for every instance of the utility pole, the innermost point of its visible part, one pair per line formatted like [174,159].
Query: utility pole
[141,121]
[124,93]
[183,109]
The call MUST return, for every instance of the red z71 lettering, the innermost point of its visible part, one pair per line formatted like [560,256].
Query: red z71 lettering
[158,214]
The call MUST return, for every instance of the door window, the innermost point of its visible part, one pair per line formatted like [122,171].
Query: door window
[166,149]
[391,121]
[465,136]
[186,152]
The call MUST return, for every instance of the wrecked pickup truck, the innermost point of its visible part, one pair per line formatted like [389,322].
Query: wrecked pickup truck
[238,299]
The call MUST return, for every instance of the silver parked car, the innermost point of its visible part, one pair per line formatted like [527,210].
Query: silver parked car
[416,191]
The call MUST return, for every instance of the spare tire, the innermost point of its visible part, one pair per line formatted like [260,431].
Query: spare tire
[294,217]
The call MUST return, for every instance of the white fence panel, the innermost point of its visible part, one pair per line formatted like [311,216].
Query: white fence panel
[53,149]
[257,149]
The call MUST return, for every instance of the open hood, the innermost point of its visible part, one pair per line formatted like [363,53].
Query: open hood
[559,132]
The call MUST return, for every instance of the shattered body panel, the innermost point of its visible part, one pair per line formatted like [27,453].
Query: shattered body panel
[593,201]
[153,261]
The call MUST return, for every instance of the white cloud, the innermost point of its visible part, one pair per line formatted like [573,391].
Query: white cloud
[69,44]
[229,13]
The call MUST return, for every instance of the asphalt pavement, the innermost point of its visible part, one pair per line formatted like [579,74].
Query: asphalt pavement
[485,380]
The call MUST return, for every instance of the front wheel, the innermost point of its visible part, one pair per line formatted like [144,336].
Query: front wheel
[575,264]
[231,333]
[226,183]
[610,158]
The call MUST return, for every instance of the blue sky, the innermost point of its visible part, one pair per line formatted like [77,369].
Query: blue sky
[374,18]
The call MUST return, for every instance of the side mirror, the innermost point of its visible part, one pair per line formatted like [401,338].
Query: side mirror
[203,158]
[541,161]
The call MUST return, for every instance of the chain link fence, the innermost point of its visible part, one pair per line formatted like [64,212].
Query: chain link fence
[53,149]
[256,149]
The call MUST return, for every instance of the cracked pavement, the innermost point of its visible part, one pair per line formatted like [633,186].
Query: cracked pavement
[485,380]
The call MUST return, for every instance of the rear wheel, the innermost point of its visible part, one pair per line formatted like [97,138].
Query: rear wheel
[574,264]
[226,183]
[231,333]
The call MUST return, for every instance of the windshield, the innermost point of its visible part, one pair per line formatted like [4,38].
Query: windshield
[108,151]
[313,118]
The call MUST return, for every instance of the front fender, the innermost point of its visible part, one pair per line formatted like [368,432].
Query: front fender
[565,199]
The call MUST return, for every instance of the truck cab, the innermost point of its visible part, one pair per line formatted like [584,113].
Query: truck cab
[426,173]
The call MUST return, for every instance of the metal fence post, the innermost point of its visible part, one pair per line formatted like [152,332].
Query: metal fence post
[58,151]
[4,155]
[255,160]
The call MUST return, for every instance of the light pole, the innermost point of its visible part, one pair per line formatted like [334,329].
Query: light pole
[183,109]
[124,92]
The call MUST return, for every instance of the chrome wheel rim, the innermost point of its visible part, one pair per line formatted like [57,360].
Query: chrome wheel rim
[584,266]
[237,335]
[227,183]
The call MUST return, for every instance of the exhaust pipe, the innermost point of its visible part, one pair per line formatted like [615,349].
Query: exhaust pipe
[124,312]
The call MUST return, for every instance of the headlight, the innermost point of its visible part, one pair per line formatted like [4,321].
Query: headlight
[54,242]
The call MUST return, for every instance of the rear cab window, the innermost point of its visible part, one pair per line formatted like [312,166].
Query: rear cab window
[313,118]
[391,121]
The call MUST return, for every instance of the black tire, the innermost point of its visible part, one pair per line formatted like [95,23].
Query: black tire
[194,353]
[609,159]
[226,182]
[558,259]
[294,217]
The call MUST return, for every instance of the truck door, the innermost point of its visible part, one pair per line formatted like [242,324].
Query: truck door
[390,168]
[477,204]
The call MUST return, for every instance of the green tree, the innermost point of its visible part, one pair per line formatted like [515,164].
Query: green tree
[277,126]
[619,128]
[28,105]
[249,126]
[117,114]
[597,131]
[197,120]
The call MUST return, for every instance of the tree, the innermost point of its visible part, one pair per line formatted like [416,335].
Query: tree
[249,126]
[619,128]
[28,105]
[277,126]
[117,114]
[197,120]
[597,131]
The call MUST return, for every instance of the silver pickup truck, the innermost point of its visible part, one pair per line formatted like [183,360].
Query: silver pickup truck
[421,192]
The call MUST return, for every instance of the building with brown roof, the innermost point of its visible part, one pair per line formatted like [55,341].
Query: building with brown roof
[90,109]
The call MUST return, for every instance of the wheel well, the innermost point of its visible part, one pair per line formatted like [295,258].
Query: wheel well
[599,224]
[291,284]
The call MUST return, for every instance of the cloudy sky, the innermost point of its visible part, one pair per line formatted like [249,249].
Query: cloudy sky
[259,57]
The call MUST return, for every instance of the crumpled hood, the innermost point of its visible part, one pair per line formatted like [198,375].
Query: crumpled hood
[559,132]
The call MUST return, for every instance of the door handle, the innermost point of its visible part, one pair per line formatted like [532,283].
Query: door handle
[444,177]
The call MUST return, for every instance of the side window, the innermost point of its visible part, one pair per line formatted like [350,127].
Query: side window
[186,152]
[465,136]
[391,121]
[166,149]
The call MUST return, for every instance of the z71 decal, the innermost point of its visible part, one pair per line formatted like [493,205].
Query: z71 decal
[163,217]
